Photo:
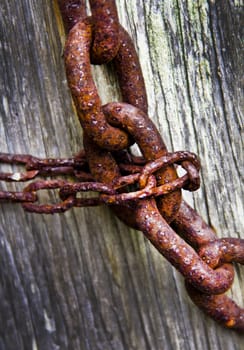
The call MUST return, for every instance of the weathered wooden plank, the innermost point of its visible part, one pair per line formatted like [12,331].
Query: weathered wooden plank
[82,280]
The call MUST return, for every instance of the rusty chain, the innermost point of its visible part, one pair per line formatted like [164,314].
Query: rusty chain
[146,186]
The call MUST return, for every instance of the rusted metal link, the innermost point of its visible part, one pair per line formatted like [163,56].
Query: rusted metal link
[84,92]
[68,194]
[34,163]
[223,250]
[220,307]
[194,230]
[17,159]
[189,224]
[182,256]
[76,166]
[47,208]
[213,250]
[194,179]
[129,73]
[168,159]
[106,31]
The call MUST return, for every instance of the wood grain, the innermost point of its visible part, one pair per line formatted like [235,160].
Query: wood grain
[83,280]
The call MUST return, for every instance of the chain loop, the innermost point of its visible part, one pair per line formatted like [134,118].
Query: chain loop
[223,250]
[106,41]
[84,92]
[47,208]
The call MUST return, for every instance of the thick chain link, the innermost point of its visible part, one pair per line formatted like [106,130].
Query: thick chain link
[149,184]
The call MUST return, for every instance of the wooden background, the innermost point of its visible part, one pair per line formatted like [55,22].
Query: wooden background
[83,280]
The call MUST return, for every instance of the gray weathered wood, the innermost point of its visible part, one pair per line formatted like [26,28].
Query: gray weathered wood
[83,280]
